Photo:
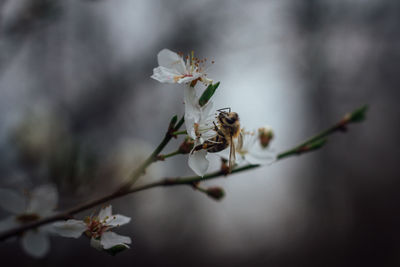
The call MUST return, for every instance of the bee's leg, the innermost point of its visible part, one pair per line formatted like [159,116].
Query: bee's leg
[205,146]
[218,130]
[211,147]
[215,127]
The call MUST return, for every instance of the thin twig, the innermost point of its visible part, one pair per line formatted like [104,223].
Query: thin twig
[154,156]
[302,148]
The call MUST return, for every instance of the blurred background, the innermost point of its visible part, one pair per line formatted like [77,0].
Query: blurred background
[78,109]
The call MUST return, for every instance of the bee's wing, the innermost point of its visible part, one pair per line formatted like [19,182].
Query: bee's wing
[232,153]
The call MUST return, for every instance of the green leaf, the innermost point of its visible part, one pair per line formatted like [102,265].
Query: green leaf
[208,93]
[173,121]
[359,114]
[116,249]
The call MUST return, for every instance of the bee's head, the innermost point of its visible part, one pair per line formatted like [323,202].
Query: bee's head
[228,118]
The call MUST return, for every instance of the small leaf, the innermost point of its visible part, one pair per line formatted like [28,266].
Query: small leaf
[173,121]
[359,114]
[116,249]
[208,93]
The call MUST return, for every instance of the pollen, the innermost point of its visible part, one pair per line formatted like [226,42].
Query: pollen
[196,129]
[178,77]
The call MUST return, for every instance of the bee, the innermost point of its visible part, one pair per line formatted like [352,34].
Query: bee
[227,128]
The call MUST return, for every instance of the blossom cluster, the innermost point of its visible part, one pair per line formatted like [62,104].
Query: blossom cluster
[41,202]
[201,122]
[208,131]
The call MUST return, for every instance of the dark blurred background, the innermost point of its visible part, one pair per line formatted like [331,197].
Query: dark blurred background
[78,109]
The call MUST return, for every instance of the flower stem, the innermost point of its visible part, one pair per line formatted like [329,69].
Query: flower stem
[179,132]
[319,140]
[154,156]
[163,157]
[307,146]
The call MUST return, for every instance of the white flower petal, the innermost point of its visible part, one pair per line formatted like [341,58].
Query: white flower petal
[260,157]
[164,75]
[188,79]
[70,228]
[36,243]
[167,58]
[192,107]
[43,200]
[8,223]
[12,201]
[224,153]
[47,228]
[202,117]
[111,239]
[105,213]
[240,159]
[198,162]
[249,150]
[96,244]
[117,220]
[208,108]
[189,122]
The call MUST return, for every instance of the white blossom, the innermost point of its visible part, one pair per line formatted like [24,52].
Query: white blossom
[97,228]
[248,150]
[199,122]
[172,69]
[35,205]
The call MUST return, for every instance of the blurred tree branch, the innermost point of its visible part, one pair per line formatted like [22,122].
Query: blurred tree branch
[307,146]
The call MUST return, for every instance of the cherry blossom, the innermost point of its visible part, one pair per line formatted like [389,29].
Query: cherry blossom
[199,122]
[97,228]
[35,205]
[173,69]
[249,150]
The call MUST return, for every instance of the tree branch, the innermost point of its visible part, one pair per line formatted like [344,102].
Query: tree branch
[309,145]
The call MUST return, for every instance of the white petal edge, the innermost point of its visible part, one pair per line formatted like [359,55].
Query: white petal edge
[111,239]
[96,244]
[262,158]
[8,223]
[198,162]
[117,220]
[105,213]
[224,153]
[169,59]
[164,75]
[188,79]
[189,123]
[12,201]
[71,228]
[192,107]
[36,243]
[43,200]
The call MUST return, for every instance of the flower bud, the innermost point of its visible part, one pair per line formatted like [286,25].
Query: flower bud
[216,193]
[265,135]
[186,146]
[357,115]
